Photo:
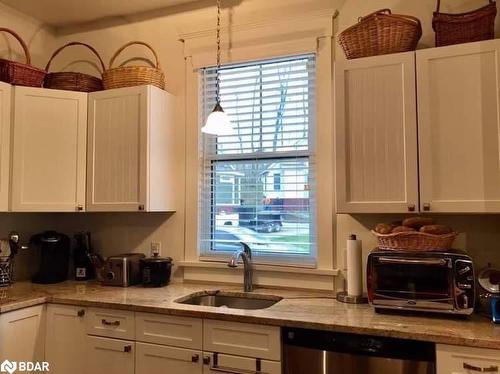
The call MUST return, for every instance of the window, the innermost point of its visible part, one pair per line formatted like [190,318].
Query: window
[257,185]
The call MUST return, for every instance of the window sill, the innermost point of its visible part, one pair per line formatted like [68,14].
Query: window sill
[264,275]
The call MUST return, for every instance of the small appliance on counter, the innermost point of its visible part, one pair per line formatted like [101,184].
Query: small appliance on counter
[427,281]
[82,257]
[123,270]
[489,293]
[156,271]
[54,260]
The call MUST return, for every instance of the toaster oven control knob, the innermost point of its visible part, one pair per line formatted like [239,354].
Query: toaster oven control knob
[110,275]
[464,286]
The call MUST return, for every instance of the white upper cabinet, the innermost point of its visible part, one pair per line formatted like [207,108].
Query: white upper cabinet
[130,150]
[459,122]
[48,169]
[376,134]
[5,148]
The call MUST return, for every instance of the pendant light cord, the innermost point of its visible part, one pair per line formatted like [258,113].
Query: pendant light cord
[217,76]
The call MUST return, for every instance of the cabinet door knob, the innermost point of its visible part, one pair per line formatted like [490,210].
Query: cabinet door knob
[206,360]
[195,358]
[426,207]
[411,207]
[141,207]
[127,348]
[81,313]
[79,207]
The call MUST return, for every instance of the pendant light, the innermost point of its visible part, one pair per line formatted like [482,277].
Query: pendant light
[218,122]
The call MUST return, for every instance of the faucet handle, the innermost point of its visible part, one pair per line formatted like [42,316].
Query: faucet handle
[246,249]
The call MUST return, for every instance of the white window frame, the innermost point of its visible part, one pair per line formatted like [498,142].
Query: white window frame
[284,259]
[305,33]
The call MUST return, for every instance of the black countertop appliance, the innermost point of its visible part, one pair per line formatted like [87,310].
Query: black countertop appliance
[156,271]
[54,257]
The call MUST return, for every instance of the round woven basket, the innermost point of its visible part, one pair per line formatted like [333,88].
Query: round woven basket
[73,81]
[414,241]
[17,73]
[127,76]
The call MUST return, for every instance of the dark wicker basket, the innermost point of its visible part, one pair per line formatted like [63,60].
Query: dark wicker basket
[467,27]
[128,76]
[381,33]
[73,81]
[18,73]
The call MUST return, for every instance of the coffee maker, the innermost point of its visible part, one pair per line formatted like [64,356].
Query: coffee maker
[54,257]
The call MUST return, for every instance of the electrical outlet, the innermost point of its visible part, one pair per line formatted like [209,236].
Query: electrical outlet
[155,248]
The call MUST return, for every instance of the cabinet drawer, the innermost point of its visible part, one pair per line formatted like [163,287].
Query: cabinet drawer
[168,330]
[222,363]
[159,359]
[112,323]
[466,360]
[242,339]
[109,356]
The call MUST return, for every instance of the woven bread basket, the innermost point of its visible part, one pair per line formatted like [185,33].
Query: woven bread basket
[127,76]
[380,33]
[73,81]
[466,27]
[414,241]
[17,73]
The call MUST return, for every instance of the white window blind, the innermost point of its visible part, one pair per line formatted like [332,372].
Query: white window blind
[257,185]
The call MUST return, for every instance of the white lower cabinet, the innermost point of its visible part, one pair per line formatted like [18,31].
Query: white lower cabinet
[110,356]
[22,334]
[160,359]
[452,359]
[66,339]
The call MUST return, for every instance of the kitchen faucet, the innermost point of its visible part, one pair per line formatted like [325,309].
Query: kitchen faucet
[246,255]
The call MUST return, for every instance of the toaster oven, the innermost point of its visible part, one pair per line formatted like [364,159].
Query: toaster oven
[123,270]
[442,282]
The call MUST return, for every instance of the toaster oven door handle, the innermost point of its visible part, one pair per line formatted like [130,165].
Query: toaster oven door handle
[413,261]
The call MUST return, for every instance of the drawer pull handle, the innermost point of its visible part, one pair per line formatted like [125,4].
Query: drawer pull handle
[222,369]
[108,323]
[491,369]
[80,313]
[195,358]
[127,349]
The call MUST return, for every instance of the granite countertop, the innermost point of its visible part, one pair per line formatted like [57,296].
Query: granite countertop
[303,309]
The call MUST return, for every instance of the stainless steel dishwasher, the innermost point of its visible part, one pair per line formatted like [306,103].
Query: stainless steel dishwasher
[320,352]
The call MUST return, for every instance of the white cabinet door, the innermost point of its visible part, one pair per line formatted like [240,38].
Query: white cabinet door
[22,334]
[109,356]
[130,152]
[466,360]
[459,121]
[65,341]
[158,359]
[48,171]
[216,363]
[5,147]
[376,134]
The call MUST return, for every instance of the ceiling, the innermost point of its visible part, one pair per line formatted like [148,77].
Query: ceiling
[60,13]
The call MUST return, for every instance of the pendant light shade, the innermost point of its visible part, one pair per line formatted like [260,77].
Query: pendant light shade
[218,122]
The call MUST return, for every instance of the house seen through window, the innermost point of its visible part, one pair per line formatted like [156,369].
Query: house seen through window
[257,185]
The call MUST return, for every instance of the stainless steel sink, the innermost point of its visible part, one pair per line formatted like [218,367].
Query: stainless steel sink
[229,300]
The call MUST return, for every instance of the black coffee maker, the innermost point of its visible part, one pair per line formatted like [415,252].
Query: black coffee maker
[54,257]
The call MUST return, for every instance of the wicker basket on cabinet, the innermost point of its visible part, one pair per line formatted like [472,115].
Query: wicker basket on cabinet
[73,81]
[414,241]
[127,76]
[380,33]
[466,27]
[18,73]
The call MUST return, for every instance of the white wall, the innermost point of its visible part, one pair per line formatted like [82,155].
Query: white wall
[115,233]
